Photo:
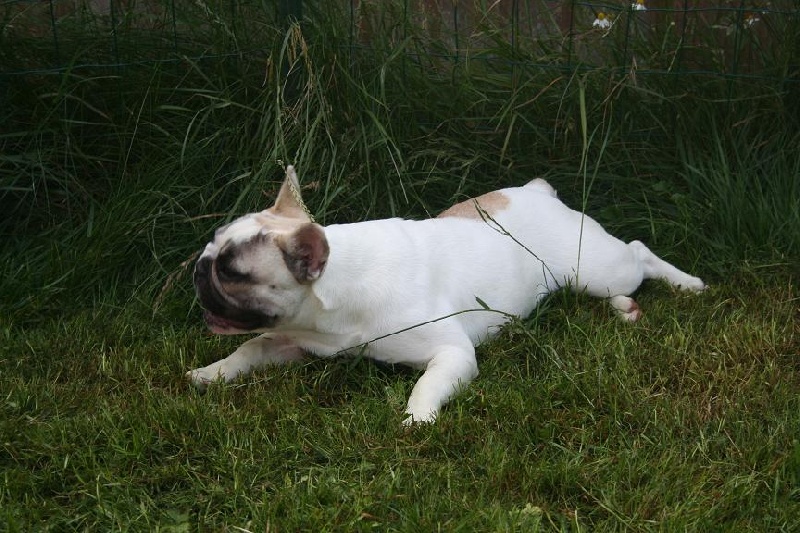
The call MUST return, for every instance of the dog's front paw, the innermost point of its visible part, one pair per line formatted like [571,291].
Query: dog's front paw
[201,378]
[419,418]
[693,284]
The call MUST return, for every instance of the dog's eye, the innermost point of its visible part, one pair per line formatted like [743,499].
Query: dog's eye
[227,273]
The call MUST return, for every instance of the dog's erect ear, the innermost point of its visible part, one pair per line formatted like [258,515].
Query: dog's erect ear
[305,251]
[289,203]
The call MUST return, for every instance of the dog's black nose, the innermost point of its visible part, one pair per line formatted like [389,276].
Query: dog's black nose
[202,267]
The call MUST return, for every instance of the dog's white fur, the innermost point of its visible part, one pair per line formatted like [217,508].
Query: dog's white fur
[425,293]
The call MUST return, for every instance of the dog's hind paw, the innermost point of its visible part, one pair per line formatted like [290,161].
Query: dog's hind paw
[626,307]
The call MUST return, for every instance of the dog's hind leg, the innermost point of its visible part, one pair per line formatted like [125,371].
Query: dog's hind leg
[615,270]
[648,265]
[451,369]
[653,267]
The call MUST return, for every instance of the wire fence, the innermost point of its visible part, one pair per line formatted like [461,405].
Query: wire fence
[742,39]
[729,38]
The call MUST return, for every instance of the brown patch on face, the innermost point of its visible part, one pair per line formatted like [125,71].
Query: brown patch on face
[305,251]
[490,203]
[215,295]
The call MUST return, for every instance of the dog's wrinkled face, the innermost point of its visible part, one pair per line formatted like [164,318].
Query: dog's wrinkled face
[257,270]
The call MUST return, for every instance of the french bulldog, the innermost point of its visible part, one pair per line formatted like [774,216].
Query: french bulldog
[419,293]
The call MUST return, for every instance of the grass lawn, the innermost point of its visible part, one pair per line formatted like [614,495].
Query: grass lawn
[111,181]
[688,419]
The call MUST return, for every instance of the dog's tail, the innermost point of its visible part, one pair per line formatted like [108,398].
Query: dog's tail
[541,185]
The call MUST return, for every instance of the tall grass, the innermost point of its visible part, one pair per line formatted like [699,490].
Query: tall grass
[121,162]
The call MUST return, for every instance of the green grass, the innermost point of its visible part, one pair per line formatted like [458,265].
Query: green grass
[111,179]
[686,420]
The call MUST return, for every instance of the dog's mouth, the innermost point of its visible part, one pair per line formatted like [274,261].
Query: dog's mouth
[221,325]
[227,326]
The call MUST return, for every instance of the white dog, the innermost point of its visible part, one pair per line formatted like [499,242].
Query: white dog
[420,293]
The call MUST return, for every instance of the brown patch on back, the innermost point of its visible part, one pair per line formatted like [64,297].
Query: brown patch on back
[490,203]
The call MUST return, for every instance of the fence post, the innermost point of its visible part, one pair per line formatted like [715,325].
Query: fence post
[290,13]
[55,34]
[566,21]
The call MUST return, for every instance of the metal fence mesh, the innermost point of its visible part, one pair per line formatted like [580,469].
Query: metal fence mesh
[729,38]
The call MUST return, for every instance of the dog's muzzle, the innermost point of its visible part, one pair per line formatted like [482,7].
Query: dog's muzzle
[219,314]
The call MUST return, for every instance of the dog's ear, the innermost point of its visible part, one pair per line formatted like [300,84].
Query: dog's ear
[305,251]
[289,203]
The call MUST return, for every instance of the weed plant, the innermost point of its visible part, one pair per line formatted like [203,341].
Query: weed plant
[112,178]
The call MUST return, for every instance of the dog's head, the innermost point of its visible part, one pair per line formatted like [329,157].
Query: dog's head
[258,269]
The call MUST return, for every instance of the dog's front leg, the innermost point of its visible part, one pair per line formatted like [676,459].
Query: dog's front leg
[251,355]
[450,369]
